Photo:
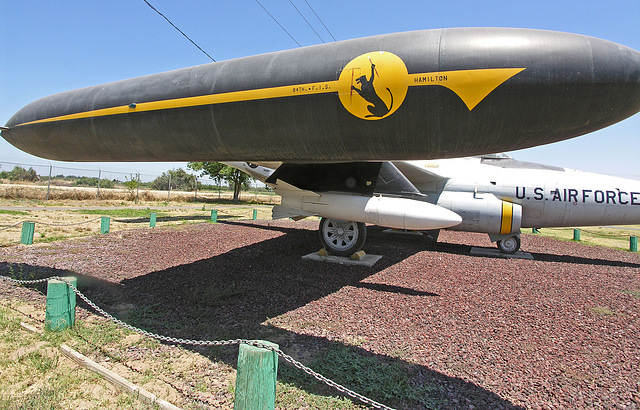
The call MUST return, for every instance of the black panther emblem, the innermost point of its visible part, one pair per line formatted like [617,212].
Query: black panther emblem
[367,91]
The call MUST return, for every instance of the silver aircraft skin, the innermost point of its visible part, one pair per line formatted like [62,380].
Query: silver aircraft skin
[492,194]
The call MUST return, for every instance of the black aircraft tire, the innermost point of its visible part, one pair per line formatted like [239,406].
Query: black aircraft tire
[509,245]
[342,238]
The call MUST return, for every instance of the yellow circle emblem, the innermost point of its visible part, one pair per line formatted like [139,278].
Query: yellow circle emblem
[373,85]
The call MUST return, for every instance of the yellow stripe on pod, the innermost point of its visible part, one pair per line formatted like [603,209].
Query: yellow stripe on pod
[230,97]
[472,86]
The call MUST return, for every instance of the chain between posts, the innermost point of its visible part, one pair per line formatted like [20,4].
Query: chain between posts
[9,227]
[231,342]
[50,224]
[71,224]
[612,235]
[87,221]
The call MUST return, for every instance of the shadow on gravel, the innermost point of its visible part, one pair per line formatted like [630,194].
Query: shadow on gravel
[110,294]
[459,249]
[546,257]
[233,295]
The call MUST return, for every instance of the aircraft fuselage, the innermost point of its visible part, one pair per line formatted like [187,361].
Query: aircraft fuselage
[549,196]
[494,194]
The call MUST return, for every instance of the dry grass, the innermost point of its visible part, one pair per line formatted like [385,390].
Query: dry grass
[68,213]
[21,192]
[611,237]
[55,224]
[36,375]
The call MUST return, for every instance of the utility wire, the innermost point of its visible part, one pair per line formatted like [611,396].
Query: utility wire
[274,19]
[325,27]
[307,21]
[181,32]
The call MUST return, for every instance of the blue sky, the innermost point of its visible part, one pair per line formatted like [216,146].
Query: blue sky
[52,46]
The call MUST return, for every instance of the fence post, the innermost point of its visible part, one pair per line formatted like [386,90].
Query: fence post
[105,223]
[152,221]
[49,182]
[99,178]
[256,377]
[255,214]
[214,215]
[28,228]
[633,244]
[61,304]
[576,235]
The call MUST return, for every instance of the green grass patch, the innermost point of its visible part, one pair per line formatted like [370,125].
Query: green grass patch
[602,311]
[13,212]
[143,317]
[611,237]
[390,382]
[634,293]
[41,363]
[49,239]
[122,213]
[289,397]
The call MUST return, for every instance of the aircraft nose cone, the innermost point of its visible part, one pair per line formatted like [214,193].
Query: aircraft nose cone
[571,84]
[616,78]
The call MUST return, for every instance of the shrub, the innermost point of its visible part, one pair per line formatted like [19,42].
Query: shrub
[180,180]
[93,182]
[20,174]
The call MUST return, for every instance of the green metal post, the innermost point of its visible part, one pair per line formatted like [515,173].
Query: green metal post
[535,231]
[105,223]
[28,228]
[214,215]
[576,235]
[61,304]
[256,377]
[255,214]
[152,221]
[633,244]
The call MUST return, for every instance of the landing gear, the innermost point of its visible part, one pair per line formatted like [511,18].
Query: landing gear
[509,245]
[342,238]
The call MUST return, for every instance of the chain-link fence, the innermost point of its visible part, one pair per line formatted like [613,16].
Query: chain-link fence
[46,181]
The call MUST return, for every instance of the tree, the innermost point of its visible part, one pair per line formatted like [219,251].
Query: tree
[20,174]
[180,180]
[132,185]
[219,171]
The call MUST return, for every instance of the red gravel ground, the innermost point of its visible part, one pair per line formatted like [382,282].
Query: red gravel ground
[561,331]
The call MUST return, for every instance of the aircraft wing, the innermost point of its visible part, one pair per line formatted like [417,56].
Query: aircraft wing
[259,171]
[421,175]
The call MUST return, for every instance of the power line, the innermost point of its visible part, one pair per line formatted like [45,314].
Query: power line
[308,24]
[181,32]
[274,19]
[325,27]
